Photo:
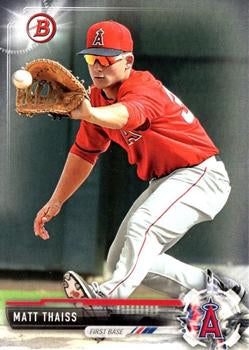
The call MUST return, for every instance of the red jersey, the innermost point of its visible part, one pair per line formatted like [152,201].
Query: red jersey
[160,136]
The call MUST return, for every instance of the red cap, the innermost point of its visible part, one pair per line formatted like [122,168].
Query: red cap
[108,38]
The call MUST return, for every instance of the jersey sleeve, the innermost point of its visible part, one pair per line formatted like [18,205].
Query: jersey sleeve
[91,140]
[144,101]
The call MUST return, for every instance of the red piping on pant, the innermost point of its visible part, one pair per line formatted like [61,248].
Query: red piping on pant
[147,231]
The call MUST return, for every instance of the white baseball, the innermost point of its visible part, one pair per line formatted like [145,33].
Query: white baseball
[22,79]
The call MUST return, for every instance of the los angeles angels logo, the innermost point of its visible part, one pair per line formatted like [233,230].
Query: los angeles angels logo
[210,324]
[209,318]
[130,136]
[99,39]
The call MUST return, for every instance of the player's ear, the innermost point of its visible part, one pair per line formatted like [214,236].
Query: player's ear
[129,61]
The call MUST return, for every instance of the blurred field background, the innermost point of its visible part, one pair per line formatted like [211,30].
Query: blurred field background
[199,49]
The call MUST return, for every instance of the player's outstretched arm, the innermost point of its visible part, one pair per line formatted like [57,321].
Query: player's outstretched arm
[114,116]
[75,172]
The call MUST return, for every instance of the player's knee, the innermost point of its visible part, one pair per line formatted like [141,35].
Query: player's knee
[139,222]
[143,221]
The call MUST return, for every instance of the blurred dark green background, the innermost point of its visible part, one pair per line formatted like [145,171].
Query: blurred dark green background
[199,50]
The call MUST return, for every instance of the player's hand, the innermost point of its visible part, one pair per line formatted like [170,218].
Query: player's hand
[83,112]
[45,214]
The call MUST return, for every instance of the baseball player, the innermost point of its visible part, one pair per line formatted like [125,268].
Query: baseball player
[188,182]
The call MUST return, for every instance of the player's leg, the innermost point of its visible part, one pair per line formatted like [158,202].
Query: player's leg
[216,190]
[145,240]
[185,198]
[172,276]
[155,226]
[118,243]
[160,271]
[74,285]
[165,268]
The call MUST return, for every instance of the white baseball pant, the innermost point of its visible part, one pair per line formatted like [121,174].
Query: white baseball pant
[161,215]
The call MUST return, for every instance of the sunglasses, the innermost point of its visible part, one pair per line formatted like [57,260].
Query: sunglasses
[103,60]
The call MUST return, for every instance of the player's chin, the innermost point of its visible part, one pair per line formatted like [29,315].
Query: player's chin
[100,83]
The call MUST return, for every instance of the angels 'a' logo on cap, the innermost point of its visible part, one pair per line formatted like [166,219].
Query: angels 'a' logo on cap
[99,40]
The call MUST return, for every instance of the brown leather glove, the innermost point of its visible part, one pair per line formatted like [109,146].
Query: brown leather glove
[54,90]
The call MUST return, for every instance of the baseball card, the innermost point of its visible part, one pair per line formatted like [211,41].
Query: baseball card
[124,174]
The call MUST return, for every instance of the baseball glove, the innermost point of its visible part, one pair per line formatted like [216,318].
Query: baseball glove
[54,90]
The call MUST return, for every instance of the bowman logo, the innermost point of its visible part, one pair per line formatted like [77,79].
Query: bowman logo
[41,28]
